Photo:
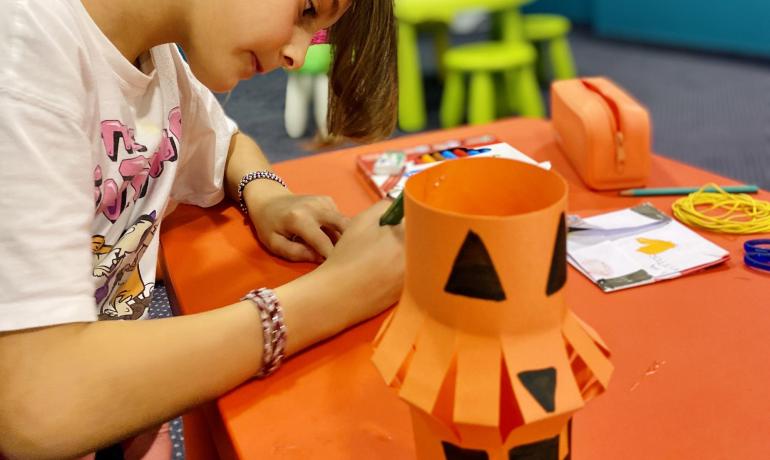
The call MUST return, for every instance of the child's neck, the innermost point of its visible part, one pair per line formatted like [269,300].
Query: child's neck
[135,26]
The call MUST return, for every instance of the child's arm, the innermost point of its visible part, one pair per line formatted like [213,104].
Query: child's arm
[70,389]
[296,227]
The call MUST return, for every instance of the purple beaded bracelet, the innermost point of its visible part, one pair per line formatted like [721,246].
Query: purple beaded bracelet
[250,177]
[273,329]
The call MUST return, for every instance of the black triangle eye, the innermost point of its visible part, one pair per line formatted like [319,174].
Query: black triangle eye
[557,275]
[473,274]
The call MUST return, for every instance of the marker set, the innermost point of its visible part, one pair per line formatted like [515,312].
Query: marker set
[389,171]
[384,170]
[450,154]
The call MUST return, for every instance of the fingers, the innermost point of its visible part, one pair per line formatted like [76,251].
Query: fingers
[295,251]
[314,237]
[318,225]
[330,218]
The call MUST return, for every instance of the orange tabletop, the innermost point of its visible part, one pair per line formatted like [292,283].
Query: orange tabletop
[691,355]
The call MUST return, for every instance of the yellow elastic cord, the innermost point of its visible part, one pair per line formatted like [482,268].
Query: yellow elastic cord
[720,211]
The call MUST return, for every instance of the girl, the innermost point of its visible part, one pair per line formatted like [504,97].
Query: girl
[103,127]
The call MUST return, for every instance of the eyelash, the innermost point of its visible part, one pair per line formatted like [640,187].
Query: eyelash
[309,10]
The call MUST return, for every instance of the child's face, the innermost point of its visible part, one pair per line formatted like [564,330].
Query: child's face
[232,40]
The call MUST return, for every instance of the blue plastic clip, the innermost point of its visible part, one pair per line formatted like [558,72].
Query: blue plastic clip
[756,254]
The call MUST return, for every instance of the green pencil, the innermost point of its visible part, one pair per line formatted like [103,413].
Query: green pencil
[394,213]
[687,190]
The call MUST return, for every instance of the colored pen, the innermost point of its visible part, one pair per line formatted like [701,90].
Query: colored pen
[394,213]
[427,159]
[687,190]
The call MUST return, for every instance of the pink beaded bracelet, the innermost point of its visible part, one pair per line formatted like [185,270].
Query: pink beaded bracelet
[273,329]
[250,177]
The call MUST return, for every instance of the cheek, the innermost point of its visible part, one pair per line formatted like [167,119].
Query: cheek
[214,71]
[272,36]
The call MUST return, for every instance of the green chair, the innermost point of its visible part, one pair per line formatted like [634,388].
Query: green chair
[548,32]
[513,60]
[410,14]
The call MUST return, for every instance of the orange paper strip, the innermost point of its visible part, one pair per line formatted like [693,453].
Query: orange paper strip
[433,354]
[397,342]
[477,394]
[587,349]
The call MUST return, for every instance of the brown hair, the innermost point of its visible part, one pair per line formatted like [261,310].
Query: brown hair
[363,84]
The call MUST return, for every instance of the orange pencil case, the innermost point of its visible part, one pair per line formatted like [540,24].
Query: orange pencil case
[603,131]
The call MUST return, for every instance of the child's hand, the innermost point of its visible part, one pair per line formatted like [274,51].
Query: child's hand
[367,264]
[298,227]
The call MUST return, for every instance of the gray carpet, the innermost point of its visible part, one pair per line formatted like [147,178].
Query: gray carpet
[709,110]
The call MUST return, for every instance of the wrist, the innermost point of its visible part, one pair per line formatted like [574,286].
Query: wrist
[255,192]
[314,308]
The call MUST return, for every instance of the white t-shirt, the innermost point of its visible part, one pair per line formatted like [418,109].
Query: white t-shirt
[92,150]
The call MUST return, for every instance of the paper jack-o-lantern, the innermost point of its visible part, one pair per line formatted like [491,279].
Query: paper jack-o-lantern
[482,345]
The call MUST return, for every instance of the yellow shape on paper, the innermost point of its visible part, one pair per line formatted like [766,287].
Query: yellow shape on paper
[653,247]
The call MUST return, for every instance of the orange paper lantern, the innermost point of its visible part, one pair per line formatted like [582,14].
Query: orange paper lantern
[482,345]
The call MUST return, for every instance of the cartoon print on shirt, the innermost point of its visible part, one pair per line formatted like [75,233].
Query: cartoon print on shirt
[111,199]
[112,132]
[121,291]
[97,185]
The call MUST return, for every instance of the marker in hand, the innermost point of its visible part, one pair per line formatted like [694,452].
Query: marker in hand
[394,213]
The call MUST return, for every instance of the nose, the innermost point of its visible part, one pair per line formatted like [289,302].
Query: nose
[294,53]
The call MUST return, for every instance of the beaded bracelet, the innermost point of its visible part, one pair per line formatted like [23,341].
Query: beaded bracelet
[273,329]
[250,177]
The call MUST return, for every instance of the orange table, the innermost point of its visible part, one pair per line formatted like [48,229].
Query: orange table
[692,356]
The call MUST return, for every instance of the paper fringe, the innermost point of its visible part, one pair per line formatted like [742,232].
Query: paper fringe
[416,355]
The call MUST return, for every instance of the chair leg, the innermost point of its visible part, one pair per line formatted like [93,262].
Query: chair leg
[502,95]
[321,102]
[295,113]
[529,102]
[441,45]
[561,59]
[511,25]
[543,63]
[452,101]
[481,98]
[411,101]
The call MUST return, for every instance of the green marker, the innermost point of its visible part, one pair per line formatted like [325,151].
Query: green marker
[394,213]
[687,190]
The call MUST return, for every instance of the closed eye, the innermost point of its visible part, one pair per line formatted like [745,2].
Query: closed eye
[310,10]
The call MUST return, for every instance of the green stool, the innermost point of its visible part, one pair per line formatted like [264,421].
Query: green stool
[308,83]
[549,34]
[481,61]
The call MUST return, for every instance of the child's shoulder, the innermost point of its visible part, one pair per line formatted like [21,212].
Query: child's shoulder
[45,43]
[30,20]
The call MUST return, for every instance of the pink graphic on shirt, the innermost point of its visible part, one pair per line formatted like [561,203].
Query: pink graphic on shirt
[112,132]
[175,123]
[166,152]
[112,199]
[135,171]
[97,184]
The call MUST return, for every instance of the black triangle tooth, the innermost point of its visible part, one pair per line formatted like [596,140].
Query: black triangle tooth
[541,384]
[453,452]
